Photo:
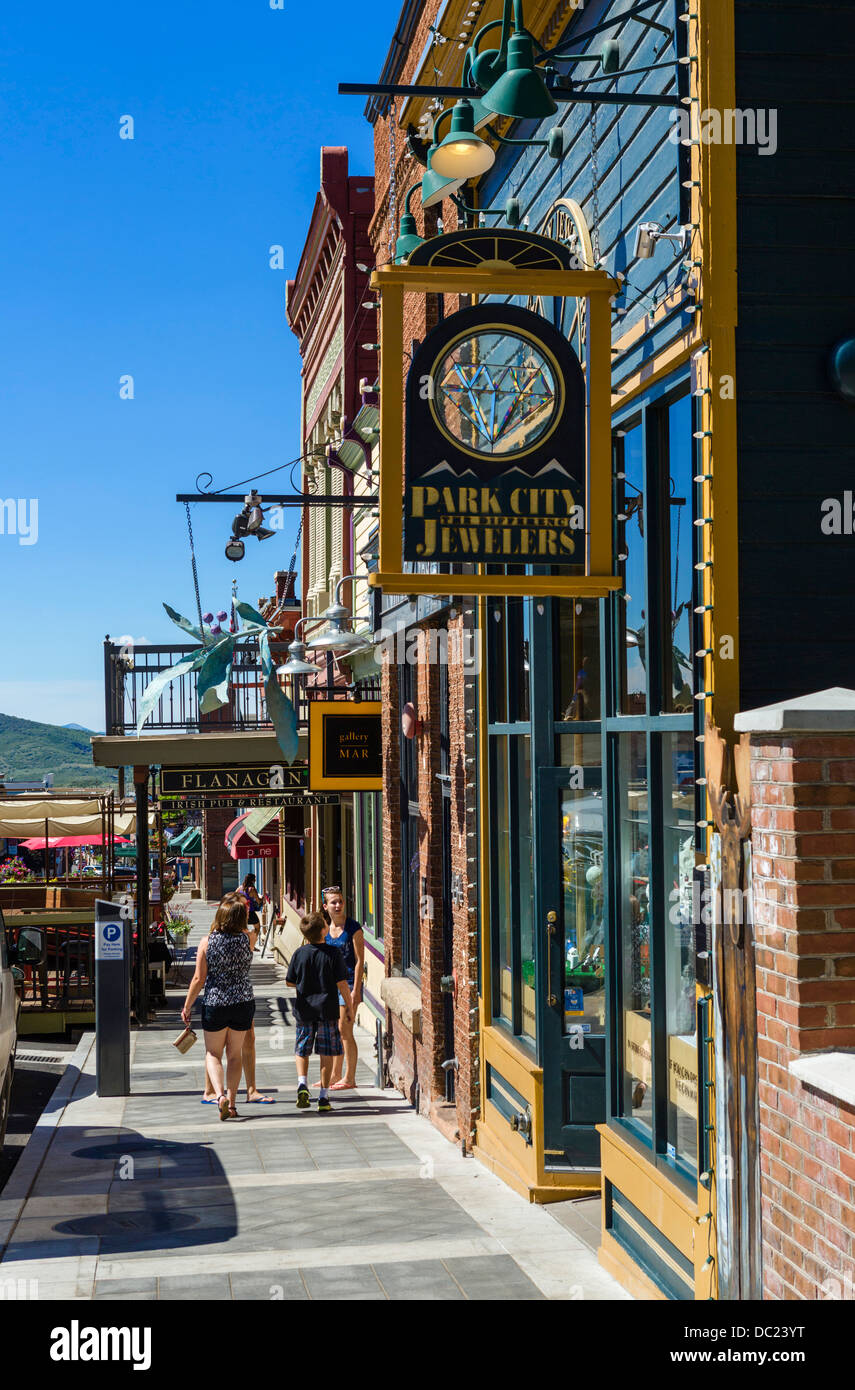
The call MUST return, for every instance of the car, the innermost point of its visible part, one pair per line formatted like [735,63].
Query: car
[24,947]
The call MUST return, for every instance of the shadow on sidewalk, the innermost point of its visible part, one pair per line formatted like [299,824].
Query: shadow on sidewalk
[161,1195]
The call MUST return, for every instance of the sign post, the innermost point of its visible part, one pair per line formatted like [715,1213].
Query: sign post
[112,1000]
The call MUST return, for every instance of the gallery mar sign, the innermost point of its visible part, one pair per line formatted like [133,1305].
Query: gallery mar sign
[495,469]
[345,745]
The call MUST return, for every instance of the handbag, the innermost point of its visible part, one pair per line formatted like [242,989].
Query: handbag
[186,1040]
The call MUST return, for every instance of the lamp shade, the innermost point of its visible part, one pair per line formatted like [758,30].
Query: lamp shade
[296,665]
[521,92]
[337,640]
[436,186]
[408,238]
[463,154]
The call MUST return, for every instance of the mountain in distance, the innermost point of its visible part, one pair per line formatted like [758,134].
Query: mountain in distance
[82,727]
[30,750]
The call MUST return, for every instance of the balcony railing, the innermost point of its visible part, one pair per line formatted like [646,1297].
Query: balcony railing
[127,674]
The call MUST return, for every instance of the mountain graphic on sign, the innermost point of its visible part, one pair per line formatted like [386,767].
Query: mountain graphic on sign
[444,471]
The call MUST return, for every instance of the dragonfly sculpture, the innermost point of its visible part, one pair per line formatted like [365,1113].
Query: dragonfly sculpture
[212,662]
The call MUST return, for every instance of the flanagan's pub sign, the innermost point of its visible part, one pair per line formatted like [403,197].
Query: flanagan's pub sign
[248,782]
[495,442]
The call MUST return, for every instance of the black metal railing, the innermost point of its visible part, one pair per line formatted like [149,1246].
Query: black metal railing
[129,671]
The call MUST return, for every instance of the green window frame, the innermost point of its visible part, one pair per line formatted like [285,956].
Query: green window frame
[652,764]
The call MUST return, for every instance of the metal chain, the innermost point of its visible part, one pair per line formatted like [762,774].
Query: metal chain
[291,569]
[393,183]
[595,189]
[195,573]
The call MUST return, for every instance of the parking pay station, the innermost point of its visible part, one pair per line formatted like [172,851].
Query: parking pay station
[113,941]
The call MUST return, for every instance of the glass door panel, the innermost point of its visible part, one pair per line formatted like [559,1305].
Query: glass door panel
[678,778]
[572,918]
[634,936]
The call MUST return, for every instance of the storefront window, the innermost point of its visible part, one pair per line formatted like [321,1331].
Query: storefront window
[634,908]
[368,858]
[583,886]
[501,847]
[528,1021]
[508,654]
[632,639]
[678,774]
[679,683]
[511,845]
[654,770]
[577,659]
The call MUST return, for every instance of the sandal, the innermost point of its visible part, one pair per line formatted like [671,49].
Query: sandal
[233,1114]
[223,1103]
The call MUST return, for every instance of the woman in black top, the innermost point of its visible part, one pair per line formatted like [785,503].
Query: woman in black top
[228,1006]
[249,891]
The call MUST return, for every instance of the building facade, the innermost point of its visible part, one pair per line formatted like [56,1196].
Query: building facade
[609,1051]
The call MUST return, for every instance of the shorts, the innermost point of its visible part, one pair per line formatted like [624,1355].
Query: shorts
[253,920]
[324,1036]
[238,1017]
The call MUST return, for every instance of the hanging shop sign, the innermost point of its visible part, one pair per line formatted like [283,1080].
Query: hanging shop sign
[231,803]
[256,851]
[345,745]
[507,459]
[252,780]
[495,443]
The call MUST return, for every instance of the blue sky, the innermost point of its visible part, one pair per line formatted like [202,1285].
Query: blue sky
[150,258]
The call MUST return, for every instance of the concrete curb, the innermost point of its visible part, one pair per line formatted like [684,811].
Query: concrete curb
[14,1195]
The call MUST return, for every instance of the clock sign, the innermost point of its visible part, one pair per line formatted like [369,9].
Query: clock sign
[495,443]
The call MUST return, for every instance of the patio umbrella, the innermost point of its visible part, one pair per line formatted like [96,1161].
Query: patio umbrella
[69,841]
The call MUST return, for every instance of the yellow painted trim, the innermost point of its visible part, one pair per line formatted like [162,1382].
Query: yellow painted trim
[649,373]
[620,1265]
[428,279]
[715,210]
[674,1214]
[391,427]
[498,585]
[596,288]
[599,500]
[319,712]
[36,1021]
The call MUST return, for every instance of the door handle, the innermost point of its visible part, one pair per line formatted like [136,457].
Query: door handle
[551,933]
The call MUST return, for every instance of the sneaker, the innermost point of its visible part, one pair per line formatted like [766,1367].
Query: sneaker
[303,1098]
[324,1107]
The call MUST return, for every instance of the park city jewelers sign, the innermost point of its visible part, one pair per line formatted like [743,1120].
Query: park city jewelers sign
[495,443]
[245,782]
[345,745]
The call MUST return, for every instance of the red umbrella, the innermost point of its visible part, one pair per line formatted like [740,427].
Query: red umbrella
[69,841]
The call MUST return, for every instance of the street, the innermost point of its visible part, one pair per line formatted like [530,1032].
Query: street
[153,1197]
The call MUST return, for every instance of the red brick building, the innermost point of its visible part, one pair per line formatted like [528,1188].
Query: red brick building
[430,852]
[803,859]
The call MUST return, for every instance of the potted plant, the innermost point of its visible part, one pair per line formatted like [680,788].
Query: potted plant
[179,928]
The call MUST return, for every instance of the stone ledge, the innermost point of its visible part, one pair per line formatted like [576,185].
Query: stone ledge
[825,712]
[403,998]
[831,1072]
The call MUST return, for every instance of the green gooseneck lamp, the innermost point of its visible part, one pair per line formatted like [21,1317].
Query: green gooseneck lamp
[520,92]
[408,232]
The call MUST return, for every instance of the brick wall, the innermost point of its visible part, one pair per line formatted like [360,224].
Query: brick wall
[419,1061]
[803,857]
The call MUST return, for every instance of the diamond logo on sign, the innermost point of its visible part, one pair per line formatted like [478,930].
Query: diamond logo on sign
[500,399]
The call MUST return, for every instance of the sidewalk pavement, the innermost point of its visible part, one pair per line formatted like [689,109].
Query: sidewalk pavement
[152,1196]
